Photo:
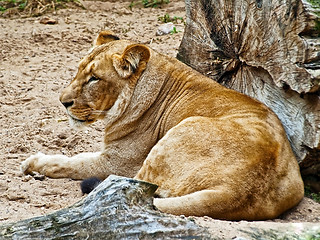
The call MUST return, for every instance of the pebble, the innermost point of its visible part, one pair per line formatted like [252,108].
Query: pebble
[165,29]
[47,20]
[62,135]
[3,187]
[26,178]
[14,195]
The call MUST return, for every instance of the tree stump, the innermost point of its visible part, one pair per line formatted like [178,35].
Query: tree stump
[269,50]
[119,208]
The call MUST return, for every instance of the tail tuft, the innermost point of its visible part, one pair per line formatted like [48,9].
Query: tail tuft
[87,185]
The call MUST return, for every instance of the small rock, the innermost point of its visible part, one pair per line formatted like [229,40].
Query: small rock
[62,135]
[3,187]
[13,195]
[47,20]
[165,29]
[26,178]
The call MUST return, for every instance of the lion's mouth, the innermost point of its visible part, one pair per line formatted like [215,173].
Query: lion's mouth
[79,123]
[78,120]
[76,123]
[73,118]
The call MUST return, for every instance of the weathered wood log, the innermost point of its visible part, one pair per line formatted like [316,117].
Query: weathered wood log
[121,208]
[269,50]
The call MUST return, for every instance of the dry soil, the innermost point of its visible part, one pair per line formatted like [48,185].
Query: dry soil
[36,62]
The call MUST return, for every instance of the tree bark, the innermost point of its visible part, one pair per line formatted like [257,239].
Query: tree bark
[269,50]
[119,208]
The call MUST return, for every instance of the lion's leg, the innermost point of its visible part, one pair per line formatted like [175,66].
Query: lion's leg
[80,166]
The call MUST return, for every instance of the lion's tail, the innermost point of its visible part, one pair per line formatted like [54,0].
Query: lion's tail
[201,203]
[216,204]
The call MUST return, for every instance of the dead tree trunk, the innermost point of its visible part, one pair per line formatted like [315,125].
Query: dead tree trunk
[119,208]
[269,50]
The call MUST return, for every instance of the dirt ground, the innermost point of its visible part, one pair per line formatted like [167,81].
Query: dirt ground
[36,62]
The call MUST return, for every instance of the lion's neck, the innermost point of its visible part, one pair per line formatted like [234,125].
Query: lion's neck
[159,97]
[176,91]
[143,97]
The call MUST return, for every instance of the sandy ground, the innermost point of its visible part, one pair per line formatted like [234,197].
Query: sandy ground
[36,62]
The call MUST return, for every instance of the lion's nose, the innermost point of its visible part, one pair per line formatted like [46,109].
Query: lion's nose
[67,104]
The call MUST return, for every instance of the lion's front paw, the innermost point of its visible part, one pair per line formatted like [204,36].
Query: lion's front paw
[28,166]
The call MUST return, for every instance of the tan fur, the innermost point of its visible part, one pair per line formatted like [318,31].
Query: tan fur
[212,151]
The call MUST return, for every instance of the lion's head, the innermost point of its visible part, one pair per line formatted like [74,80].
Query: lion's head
[106,77]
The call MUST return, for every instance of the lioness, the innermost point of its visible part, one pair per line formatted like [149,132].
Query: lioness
[212,151]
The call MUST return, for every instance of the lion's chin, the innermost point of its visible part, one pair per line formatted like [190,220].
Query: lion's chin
[77,124]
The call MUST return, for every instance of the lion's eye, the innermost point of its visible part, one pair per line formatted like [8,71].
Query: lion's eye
[93,79]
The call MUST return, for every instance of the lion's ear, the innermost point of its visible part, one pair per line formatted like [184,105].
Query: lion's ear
[105,37]
[134,59]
